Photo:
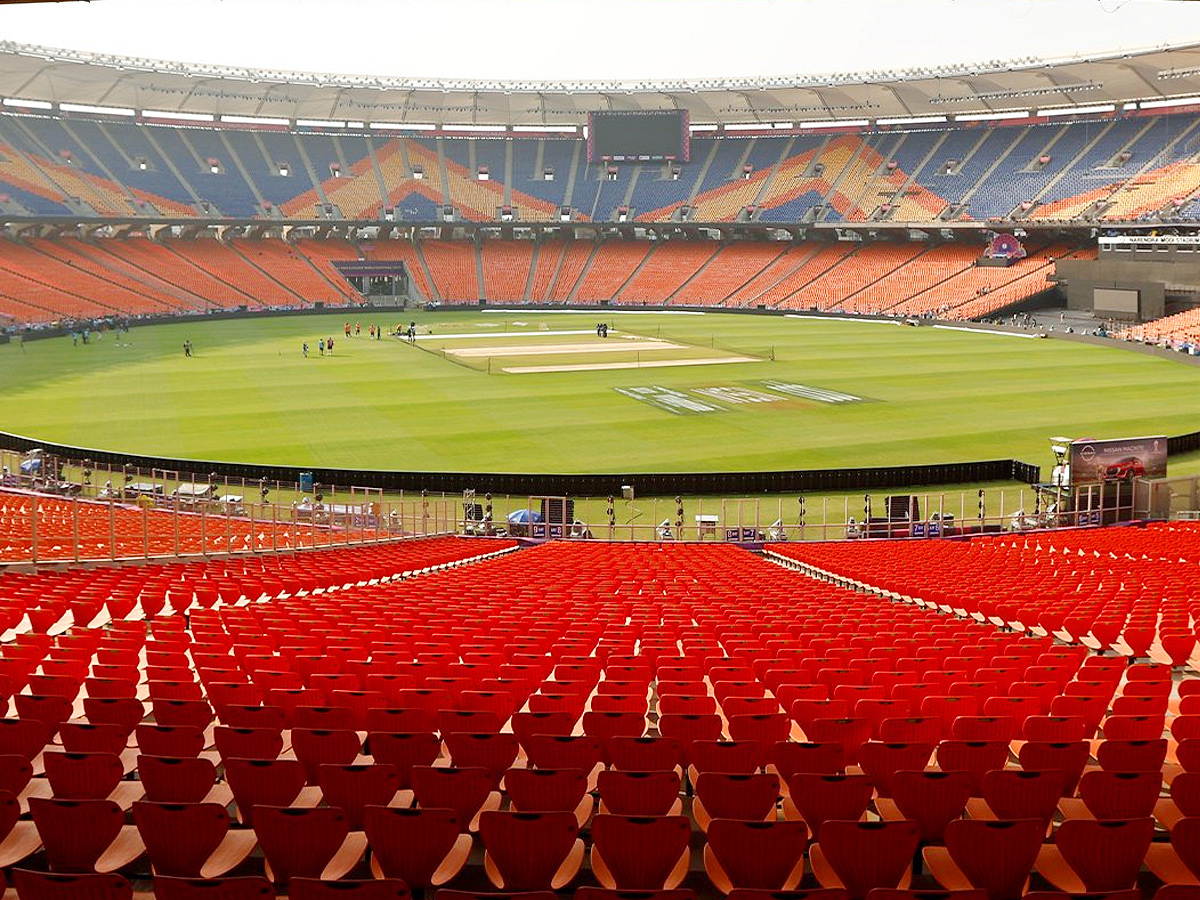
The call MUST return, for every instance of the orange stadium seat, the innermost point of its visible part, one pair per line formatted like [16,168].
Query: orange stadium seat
[453,266]
[729,271]
[133,276]
[506,269]
[667,269]
[574,261]
[610,268]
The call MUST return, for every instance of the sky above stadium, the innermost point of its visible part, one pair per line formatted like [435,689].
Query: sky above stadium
[600,39]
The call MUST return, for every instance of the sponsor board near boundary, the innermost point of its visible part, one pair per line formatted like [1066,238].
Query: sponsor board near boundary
[1123,459]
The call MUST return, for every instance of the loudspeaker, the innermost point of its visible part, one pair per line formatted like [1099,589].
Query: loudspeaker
[903,506]
[558,511]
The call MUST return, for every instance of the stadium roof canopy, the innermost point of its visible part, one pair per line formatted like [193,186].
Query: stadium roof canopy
[1090,78]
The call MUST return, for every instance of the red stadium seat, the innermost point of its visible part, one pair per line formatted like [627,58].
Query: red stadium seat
[861,856]
[625,793]
[352,787]
[244,887]
[261,782]
[191,840]
[425,848]
[640,853]
[722,795]
[1091,855]
[307,843]
[1018,794]
[468,792]
[931,799]
[816,799]
[189,780]
[404,751]
[85,835]
[1113,795]
[879,761]
[995,856]
[760,855]
[530,851]
[1179,861]
[58,886]
[550,790]
[315,889]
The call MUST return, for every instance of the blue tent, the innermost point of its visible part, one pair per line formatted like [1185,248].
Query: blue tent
[522,516]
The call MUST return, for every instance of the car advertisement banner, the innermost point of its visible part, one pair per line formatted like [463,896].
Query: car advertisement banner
[1118,460]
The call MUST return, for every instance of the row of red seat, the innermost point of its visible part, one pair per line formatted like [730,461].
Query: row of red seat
[766,704]
[1121,588]
[48,597]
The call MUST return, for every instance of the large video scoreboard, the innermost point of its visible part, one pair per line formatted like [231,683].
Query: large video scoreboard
[638,136]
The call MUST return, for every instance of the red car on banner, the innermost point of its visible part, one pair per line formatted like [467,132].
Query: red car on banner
[1125,470]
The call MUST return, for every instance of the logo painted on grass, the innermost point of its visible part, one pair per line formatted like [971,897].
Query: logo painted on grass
[737,395]
[811,393]
[721,398]
[669,400]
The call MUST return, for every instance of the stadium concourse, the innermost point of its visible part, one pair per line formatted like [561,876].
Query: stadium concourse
[1002,717]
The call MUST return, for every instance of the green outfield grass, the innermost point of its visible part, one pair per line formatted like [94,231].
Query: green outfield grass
[921,395]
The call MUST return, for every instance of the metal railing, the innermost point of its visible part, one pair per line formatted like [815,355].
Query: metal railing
[62,511]
[1168,498]
[802,518]
[72,511]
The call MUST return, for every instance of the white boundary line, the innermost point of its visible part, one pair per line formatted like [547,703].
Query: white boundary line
[502,350]
[532,332]
[646,364]
[844,319]
[987,331]
[614,311]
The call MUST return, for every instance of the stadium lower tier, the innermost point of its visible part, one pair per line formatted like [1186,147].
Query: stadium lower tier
[588,716]
[1173,330]
[43,281]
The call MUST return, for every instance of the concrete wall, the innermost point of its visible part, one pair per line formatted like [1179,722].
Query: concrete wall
[1081,277]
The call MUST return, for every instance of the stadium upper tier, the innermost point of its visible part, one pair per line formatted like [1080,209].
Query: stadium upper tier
[1140,167]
